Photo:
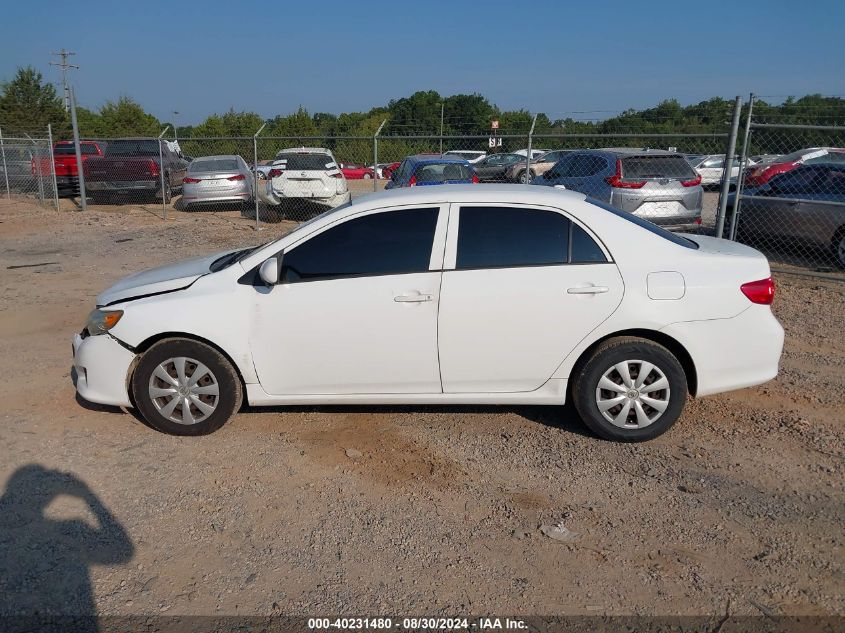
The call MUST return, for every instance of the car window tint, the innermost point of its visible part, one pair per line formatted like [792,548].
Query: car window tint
[584,248]
[378,244]
[490,237]
[561,168]
[306,162]
[657,166]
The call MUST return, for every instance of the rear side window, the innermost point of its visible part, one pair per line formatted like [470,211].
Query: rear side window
[584,249]
[389,243]
[656,167]
[645,224]
[498,237]
[441,172]
[306,162]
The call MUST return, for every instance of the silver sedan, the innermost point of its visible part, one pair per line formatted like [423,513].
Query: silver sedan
[217,179]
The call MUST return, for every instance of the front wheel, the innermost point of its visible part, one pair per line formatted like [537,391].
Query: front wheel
[526,177]
[184,387]
[630,390]
[367,177]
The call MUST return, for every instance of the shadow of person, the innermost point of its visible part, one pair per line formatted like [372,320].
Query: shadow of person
[44,578]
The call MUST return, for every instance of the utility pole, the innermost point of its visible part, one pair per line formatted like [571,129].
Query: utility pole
[63,54]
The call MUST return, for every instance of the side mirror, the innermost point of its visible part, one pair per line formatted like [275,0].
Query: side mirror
[270,270]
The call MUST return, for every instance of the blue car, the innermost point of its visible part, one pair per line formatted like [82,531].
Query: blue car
[432,170]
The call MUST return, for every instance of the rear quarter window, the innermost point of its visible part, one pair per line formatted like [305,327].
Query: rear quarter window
[645,224]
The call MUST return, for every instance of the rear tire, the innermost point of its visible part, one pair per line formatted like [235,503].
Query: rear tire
[638,401]
[206,388]
[839,247]
[526,180]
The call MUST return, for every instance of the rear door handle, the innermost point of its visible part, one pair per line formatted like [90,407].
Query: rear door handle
[416,298]
[588,290]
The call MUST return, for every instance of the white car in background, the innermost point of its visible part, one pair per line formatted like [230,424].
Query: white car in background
[497,295]
[534,152]
[469,155]
[712,167]
[309,173]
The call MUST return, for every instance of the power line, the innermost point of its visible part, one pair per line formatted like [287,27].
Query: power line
[63,54]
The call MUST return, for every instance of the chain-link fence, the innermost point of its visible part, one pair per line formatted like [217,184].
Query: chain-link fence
[790,202]
[782,189]
[27,169]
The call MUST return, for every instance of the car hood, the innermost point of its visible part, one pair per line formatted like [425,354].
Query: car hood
[166,278]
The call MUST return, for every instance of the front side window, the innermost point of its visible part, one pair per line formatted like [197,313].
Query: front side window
[498,237]
[389,243]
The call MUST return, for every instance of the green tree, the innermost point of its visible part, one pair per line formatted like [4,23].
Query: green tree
[126,118]
[28,104]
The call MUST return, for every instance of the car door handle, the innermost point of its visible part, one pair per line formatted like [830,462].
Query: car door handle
[417,298]
[588,290]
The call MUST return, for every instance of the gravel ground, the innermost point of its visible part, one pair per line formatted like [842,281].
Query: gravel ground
[398,510]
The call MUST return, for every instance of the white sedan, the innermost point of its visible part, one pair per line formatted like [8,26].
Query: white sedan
[503,294]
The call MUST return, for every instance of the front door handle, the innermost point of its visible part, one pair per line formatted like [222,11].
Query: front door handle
[588,290]
[415,298]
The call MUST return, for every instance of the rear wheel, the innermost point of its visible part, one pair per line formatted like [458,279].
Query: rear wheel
[184,387]
[367,177]
[167,194]
[630,390]
[839,247]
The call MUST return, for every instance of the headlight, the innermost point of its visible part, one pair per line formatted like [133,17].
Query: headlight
[100,321]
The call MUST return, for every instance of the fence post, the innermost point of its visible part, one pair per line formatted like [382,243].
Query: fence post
[53,166]
[528,152]
[5,170]
[739,180]
[161,171]
[255,172]
[375,155]
[83,197]
[726,174]
[38,172]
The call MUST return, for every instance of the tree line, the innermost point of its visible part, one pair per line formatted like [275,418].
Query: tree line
[28,104]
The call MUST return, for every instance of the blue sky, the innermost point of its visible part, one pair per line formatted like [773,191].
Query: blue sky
[555,57]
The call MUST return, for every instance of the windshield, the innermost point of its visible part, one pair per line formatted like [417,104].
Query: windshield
[66,149]
[656,167]
[441,172]
[221,164]
[133,148]
[305,162]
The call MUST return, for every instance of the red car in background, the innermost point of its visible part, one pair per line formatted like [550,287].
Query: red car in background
[356,172]
[67,174]
[387,170]
[761,174]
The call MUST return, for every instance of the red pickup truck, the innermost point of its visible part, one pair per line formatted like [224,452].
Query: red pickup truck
[64,155]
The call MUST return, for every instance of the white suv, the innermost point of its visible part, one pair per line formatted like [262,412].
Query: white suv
[310,173]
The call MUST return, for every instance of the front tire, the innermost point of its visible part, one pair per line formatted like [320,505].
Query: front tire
[839,248]
[184,387]
[630,390]
[526,178]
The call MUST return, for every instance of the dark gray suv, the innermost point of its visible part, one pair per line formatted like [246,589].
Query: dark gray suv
[656,185]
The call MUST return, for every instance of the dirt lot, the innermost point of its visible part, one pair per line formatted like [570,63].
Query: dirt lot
[421,510]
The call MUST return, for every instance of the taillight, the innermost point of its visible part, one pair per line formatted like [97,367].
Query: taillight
[697,221]
[475,178]
[153,169]
[616,179]
[238,177]
[274,173]
[692,183]
[762,291]
[188,180]
[412,181]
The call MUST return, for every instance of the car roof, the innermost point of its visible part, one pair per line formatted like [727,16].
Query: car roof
[638,151]
[217,157]
[304,150]
[493,193]
[438,160]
